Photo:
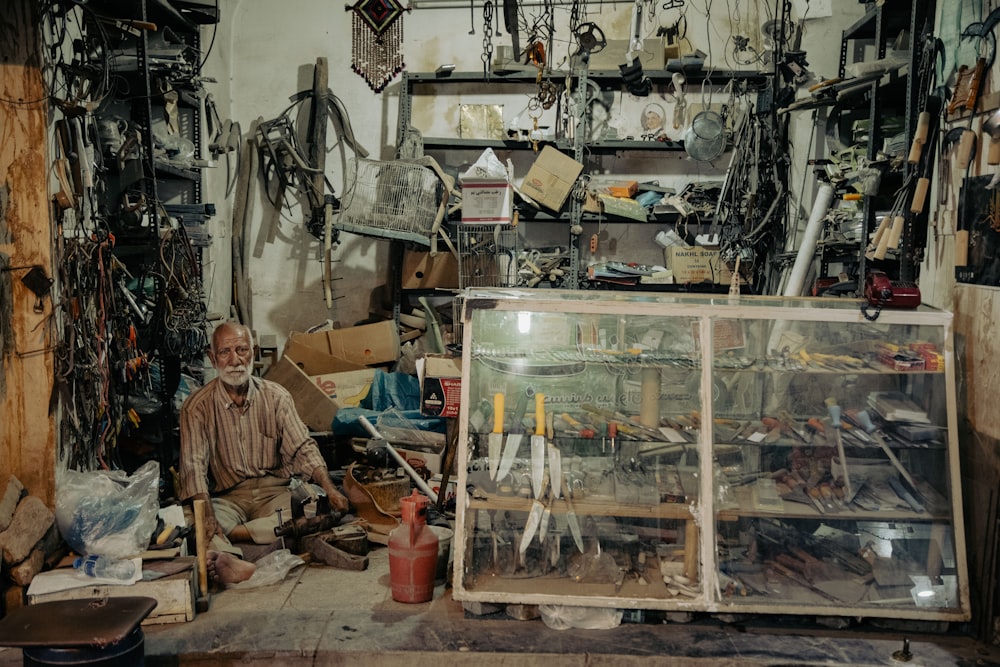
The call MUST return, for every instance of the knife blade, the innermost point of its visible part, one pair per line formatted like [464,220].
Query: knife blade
[495,442]
[514,435]
[538,447]
[865,421]
[904,494]
[574,523]
[543,528]
[555,470]
[531,525]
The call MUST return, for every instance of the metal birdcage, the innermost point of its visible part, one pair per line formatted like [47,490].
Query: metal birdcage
[395,199]
[488,256]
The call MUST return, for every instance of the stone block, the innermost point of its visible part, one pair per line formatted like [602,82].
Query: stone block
[31,521]
[11,491]
[481,608]
[523,612]
[22,573]
[46,554]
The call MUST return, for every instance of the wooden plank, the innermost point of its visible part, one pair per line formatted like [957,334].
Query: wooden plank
[585,506]
[174,595]
[977,345]
[26,429]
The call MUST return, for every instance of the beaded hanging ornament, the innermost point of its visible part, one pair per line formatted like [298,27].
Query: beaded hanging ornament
[377,41]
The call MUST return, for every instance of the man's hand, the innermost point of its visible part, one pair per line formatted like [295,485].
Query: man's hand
[211,527]
[338,501]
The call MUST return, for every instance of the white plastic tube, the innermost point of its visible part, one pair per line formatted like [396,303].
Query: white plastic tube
[807,248]
[414,475]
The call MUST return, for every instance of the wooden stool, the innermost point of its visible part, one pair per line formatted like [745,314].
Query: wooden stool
[96,631]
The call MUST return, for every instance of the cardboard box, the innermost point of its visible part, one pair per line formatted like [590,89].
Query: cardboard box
[551,178]
[505,60]
[696,265]
[435,485]
[318,397]
[486,201]
[363,345]
[419,458]
[313,361]
[623,188]
[348,389]
[440,385]
[421,271]
[315,408]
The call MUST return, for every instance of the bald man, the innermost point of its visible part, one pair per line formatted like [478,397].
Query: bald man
[241,443]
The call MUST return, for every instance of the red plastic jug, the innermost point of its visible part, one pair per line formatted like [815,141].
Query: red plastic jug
[413,552]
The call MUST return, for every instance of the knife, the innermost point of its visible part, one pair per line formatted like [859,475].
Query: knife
[515,435]
[904,494]
[531,525]
[865,421]
[538,448]
[574,524]
[543,528]
[555,470]
[496,437]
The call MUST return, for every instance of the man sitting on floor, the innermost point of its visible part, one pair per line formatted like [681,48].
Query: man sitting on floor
[241,443]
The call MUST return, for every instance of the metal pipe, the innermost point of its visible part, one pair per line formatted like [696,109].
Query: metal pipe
[417,479]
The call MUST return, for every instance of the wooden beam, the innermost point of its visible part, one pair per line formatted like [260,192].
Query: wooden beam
[27,430]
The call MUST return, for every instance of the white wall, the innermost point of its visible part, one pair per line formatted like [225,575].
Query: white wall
[265,52]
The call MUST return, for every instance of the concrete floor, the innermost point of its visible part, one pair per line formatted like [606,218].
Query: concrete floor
[325,616]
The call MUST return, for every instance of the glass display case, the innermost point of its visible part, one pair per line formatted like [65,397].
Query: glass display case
[704,453]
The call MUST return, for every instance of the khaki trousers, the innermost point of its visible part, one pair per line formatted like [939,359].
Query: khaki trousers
[253,503]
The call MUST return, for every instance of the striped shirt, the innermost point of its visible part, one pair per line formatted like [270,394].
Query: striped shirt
[223,444]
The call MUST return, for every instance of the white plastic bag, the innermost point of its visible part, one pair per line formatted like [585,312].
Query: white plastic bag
[108,512]
[562,617]
[271,569]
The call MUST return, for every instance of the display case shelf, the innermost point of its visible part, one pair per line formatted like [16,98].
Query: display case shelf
[750,454]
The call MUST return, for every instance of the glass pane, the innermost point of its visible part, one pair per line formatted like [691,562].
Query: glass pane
[830,456]
[598,500]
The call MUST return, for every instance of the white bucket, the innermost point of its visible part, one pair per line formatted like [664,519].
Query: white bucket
[444,536]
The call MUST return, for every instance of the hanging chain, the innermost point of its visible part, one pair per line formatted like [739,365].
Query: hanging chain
[487,38]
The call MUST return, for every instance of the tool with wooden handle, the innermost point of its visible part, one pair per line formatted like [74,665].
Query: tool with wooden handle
[201,545]
[495,443]
[538,448]
[834,409]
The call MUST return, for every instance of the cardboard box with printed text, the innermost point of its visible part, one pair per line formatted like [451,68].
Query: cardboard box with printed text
[551,178]
[440,385]
[697,265]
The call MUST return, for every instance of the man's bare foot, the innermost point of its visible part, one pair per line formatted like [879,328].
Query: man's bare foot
[226,568]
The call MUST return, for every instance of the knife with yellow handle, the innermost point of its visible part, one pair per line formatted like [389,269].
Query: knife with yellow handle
[538,448]
[495,442]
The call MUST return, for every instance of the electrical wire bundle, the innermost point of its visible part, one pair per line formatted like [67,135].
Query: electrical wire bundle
[129,298]
[98,353]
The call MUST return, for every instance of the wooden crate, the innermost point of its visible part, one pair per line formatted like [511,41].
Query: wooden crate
[175,593]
